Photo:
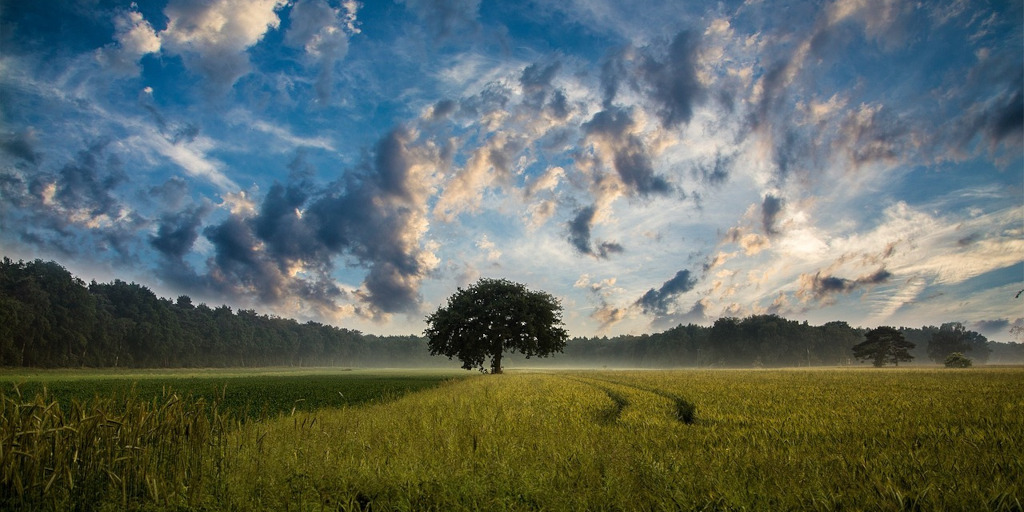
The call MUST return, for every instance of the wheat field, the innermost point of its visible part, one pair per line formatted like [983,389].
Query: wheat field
[809,439]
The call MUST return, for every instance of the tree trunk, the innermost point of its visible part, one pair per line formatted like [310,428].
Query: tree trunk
[496,363]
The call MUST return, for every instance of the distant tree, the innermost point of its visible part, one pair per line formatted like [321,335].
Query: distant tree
[958,360]
[882,346]
[954,337]
[492,316]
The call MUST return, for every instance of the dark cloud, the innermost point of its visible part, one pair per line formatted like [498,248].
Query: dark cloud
[579,230]
[697,314]
[559,105]
[443,109]
[821,286]
[368,216]
[770,209]
[673,82]
[20,145]
[615,70]
[536,80]
[606,249]
[579,235]
[657,302]
[714,173]
[87,183]
[991,327]
[878,277]
[612,129]
[280,225]
[176,233]
[236,251]
[171,193]
[494,96]
[392,163]
[634,167]
[1009,118]
[389,287]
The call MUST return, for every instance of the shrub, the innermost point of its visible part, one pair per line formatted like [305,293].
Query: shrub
[958,360]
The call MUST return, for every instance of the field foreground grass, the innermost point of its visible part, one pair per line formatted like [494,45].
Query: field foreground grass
[615,440]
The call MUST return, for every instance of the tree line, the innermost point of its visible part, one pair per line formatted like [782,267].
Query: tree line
[50,318]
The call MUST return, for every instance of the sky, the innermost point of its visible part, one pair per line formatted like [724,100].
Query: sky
[646,163]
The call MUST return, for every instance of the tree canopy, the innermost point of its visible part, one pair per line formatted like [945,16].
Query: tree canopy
[492,316]
[953,337]
[884,345]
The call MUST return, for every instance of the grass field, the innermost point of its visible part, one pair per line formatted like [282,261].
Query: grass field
[860,439]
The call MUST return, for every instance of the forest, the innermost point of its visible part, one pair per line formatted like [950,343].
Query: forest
[50,318]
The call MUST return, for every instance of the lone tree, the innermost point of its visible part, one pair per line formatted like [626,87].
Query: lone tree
[883,345]
[492,316]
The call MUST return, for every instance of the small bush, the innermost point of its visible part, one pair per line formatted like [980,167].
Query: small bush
[958,360]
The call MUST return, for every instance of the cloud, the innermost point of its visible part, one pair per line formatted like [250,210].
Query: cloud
[657,302]
[377,218]
[822,286]
[770,209]
[1007,117]
[673,82]
[323,32]
[21,145]
[579,235]
[74,210]
[713,173]
[995,327]
[579,230]
[190,155]
[493,254]
[134,37]
[442,109]
[535,81]
[238,266]
[489,166]
[280,226]
[84,188]
[177,232]
[545,182]
[446,18]
[613,133]
[608,316]
[870,134]
[213,36]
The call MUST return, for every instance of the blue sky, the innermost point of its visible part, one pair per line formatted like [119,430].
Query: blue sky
[670,162]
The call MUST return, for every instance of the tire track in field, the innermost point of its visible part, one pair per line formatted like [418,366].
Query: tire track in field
[683,410]
[619,401]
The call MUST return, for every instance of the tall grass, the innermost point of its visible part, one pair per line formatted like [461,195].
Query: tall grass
[116,452]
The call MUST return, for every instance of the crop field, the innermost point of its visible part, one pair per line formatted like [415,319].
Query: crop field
[817,439]
[251,394]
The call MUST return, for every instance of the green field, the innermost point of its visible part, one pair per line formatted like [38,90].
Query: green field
[818,439]
[245,394]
